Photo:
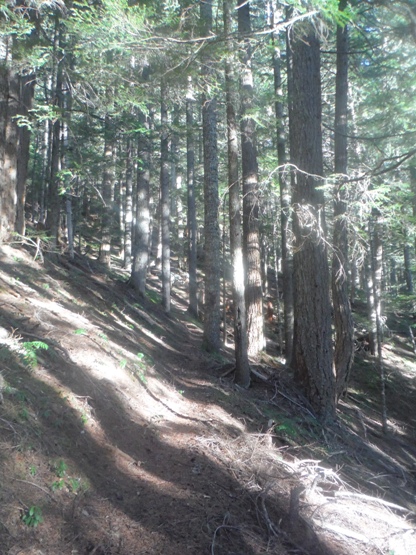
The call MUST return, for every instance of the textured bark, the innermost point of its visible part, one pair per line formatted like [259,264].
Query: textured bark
[54,157]
[128,218]
[9,92]
[343,321]
[242,367]
[191,204]
[141,240]
[165,201]
[107,193]
[312,347]
[26,93]
[211,336]
[251,228]
[285,192]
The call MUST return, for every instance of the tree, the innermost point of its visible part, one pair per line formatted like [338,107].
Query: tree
[312,346]
[165,198]
[251,230]
[191,203]
[236,244]
[212,338]
[343,321]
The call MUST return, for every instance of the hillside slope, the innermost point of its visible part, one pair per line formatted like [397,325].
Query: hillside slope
[118,435]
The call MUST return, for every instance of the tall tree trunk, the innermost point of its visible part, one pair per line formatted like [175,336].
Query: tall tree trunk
[212,334]
[407,267]
[236,244]
[107,192]
[312,346]
[142,221]
[285,192]
[9,94]
[165,200]
[53,219]
[343,321]
[27,89]
[128,219]
[191,204]
[251,231]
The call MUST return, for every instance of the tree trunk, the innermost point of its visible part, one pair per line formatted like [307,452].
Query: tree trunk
[53,218]
[142,221]
[212,334]
[285,192]
[128,218]
[251,231]
[107,193]
[343,321]
[191,204]
[9,93]
[312,346]
[27,89]
[239,306]
[407,268]
[165,200]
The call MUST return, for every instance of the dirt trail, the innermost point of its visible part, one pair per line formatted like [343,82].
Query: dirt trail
[118,435]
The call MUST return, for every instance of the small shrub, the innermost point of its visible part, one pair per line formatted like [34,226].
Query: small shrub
[33,516]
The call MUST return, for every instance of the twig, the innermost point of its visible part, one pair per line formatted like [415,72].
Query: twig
[36,486]
[217,530]
[373,499]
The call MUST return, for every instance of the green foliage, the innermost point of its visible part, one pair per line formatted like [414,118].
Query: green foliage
[58,484]
[60,468]
[80,331]
[29,352]
[32,517]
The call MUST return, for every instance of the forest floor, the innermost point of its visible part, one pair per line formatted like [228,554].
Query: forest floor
[119,435]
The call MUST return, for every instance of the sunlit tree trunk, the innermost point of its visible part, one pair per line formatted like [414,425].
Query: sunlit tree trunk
[285,192]
[191,204]
[9,93]
[212,334]
[312,345]
[128,218]
[107,193]
[251,227]
[53,219]
[236,243]
[165,200]
[343,321]
[27,89]
[141,241]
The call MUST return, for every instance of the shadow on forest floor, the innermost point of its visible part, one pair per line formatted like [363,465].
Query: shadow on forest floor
[118,434]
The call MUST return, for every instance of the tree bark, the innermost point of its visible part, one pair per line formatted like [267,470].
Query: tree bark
[107,193]
[165,200]
[191,204]
[128,218]
[343,321]
[242,367]
[212,334]
[312,346]
[251,227]
[9,93]
[27,90]
[141,242]
[285,192]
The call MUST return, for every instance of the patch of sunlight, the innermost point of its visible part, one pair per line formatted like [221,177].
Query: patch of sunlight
[77,320]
